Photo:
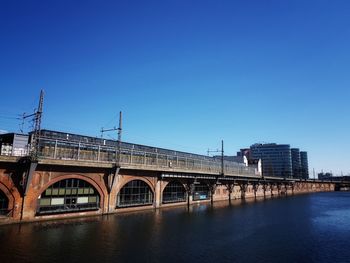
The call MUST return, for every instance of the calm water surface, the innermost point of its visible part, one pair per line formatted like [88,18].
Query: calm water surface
[304,228]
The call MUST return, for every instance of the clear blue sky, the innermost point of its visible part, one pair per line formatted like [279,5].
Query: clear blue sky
[186,74]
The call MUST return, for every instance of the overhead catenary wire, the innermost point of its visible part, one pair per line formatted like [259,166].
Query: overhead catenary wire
[8,117]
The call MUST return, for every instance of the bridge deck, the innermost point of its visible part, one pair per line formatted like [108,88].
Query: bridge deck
[105,156]
[82,151]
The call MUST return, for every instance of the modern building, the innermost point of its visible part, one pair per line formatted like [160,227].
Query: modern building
[244,152]
[276,159]
[304,165]
[329,177]
[296,164]
[324,176]
[242,160]
[14,144]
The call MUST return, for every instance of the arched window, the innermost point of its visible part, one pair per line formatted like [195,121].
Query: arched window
[4,203]
[201,192]
[174,192]
[69,195]
[135,193]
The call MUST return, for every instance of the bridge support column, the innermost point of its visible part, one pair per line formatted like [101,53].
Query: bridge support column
[111,183]
[264,189]
[243,190]
[189,191]
[212,188]
[158,193]
[278,189]
[255,188]
[230,188]
[26,170]
[284,189]
[271,189]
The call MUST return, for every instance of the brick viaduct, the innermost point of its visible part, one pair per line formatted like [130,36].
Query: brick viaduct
[23,182]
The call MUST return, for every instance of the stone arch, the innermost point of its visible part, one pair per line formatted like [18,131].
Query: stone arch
[135,192]
[146,180]
[174,191]
[165,183]
[101,191]
[201,191]
[97,186]
[10,197]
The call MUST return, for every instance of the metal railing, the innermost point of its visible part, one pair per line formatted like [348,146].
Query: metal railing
[67,150]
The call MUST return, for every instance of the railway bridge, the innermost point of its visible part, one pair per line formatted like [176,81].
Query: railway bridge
[76,175]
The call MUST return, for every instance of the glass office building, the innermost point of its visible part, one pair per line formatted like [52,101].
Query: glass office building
[276,159]
[296,163]
[304,165]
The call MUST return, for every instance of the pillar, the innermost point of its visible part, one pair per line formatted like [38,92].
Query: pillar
[158,193]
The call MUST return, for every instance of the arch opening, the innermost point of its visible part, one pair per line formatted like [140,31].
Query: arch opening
[174,192]
[4,204]
[135,193]
[69,195]
[201,192]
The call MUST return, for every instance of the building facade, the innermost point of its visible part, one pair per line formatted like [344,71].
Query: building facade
[14,144]
[296,164]
[276,159]
[304,165]
[325,176]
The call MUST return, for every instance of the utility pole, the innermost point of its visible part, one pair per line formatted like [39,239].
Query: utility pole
[37,125]
[119,136]
[113,175]
[34,147]
[107,130]
[222,156]
[119,129]
[21,126]
[119,132]
[31,164]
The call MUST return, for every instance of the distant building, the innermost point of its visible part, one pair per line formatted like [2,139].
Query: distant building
[243,160]
[237,159]
[14,144]
[296,163]
[329,176]
[304,165]
[246,155]
[244,152]
[276,159]
[325,176]
[257,164]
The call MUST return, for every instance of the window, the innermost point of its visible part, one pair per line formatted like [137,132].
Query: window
[70,195]
[174,192]
[3,204]
[135,193]
[201,192]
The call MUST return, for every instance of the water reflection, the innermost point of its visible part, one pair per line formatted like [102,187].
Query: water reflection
[305,228]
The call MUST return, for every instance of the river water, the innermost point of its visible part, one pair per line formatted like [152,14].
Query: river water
[302,228]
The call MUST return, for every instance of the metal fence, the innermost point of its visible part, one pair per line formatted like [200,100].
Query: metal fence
[68,150]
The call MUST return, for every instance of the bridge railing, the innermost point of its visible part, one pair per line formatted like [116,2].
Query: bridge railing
[66,150]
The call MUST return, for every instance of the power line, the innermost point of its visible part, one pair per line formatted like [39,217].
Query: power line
[8,117]
[37,125]
[222,155]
